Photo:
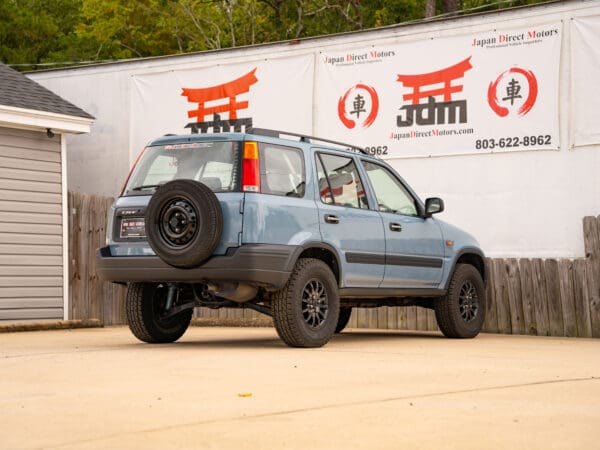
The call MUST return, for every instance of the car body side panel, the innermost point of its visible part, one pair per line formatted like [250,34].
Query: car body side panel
[231,204]
[415,254]
[276,219]
[461,243]
[359,238]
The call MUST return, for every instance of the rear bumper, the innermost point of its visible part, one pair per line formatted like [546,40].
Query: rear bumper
[262,264]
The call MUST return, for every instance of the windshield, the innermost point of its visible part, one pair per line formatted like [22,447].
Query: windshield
[213,163]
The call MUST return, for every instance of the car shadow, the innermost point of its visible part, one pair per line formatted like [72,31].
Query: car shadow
[355,335]
[198,342]
[250,342]
[348,336]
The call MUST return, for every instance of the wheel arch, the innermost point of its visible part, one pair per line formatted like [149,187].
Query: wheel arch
[474,257]
[325,253]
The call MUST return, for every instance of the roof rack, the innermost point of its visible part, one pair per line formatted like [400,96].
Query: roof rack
[303,138]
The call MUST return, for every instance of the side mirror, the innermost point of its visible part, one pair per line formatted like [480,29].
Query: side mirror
[433,206]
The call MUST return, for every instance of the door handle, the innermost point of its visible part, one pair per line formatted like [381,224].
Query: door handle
[395,226]
[330,218]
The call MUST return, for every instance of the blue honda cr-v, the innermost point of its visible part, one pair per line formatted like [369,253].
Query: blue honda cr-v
[300,229]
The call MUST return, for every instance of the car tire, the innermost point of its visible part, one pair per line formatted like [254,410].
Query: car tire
[343,319]
[184,223]
[144,304]
[305,311]
[461,313]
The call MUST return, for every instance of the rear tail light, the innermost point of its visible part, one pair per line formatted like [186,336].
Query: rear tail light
[250,168]
[139,156]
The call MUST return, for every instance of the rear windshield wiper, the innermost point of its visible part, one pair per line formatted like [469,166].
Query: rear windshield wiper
[145,186]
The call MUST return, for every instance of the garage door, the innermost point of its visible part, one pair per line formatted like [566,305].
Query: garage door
[31,283]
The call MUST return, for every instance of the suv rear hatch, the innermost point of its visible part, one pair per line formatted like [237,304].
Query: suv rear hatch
[215,163]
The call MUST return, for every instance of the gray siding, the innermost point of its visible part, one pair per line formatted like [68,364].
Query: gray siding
[31,283]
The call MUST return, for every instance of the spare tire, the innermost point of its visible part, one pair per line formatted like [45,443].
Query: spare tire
[184,223]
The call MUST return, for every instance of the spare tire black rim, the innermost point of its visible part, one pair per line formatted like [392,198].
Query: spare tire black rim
[468,301]
[178,222]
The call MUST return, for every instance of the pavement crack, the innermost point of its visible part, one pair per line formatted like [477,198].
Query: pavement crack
[329,406]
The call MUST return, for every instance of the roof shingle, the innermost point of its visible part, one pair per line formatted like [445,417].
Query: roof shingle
[20,92]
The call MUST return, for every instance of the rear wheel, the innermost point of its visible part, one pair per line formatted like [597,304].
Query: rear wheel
[306,309]
[461,313]
[146,309]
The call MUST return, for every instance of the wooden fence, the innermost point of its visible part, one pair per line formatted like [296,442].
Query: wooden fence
[90,298]
[547,297]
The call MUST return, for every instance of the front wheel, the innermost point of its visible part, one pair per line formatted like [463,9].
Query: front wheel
[145,307]
[345,313]
[461,313]
[306,309]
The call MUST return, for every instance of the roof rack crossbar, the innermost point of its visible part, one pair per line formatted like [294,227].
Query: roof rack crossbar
[303,138]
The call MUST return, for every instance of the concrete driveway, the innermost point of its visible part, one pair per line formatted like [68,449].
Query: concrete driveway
[242,388]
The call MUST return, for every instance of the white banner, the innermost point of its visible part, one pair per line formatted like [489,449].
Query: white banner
[480,93]
[585,73]
[267,93]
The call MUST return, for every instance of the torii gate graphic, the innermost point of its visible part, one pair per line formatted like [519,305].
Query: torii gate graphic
[228,91]
[441,80]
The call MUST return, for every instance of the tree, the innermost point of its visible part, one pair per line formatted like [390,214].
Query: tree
[379,13]
[38,31]
[35,32]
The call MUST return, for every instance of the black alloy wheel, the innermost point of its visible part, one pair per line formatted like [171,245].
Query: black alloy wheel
[461,313]
[468,301]
[306,309]
[315,306]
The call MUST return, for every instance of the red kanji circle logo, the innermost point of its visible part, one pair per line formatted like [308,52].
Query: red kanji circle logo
[359,106]
[513,91]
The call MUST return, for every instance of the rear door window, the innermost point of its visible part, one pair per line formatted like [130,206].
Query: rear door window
[339,181]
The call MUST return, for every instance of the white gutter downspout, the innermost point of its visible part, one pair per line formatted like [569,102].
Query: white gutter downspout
[65,224]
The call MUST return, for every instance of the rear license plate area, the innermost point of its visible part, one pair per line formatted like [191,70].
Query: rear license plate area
[132,227]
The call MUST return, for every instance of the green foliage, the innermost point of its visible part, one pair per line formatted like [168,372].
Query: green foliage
[379,13]
[124,29]
[44,31]
[35,31]
[487,5]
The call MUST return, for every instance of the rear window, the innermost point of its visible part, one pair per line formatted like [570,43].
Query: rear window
[281,171]
[216,164]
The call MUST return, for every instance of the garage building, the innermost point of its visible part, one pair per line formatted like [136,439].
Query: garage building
[33,198]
